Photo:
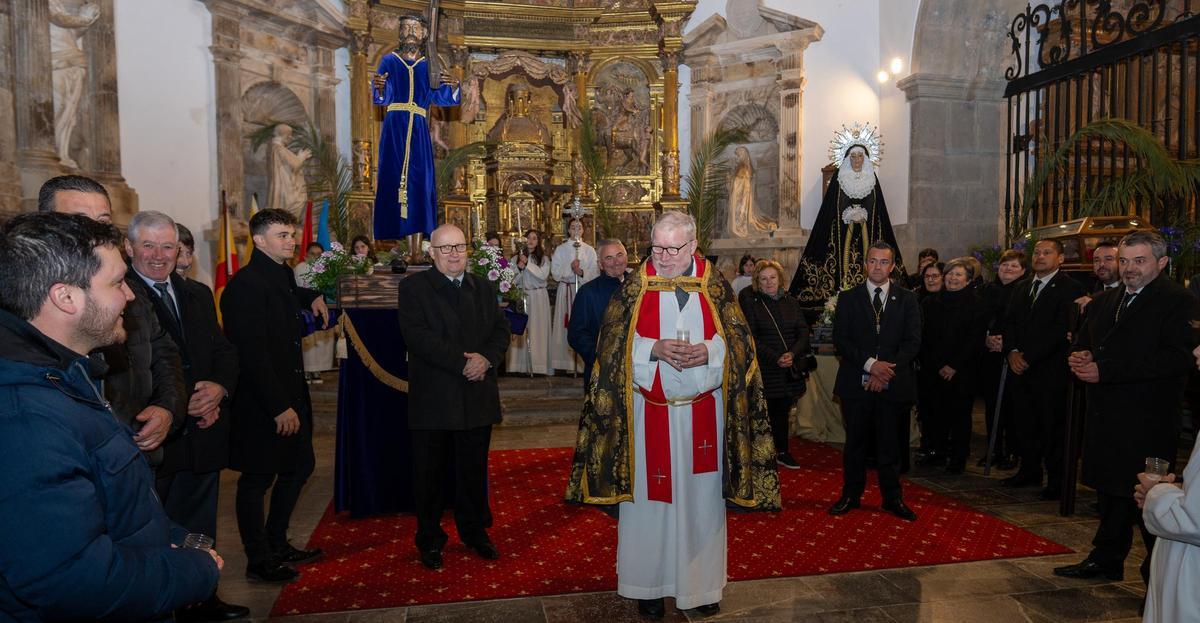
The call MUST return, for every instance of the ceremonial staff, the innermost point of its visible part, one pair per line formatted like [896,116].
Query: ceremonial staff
[991,449]
[431,57]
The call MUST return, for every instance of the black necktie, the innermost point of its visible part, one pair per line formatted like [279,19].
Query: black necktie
[1037,285]
[457,282]
[165,293]
[877,302]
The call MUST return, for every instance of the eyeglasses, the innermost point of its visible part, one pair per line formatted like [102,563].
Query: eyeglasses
[447,249]
[671,251]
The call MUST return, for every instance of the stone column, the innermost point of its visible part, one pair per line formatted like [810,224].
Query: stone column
[670,122]
[325,83]
[10,188]
[33,91]
[790,82]
[956,155]
[103,134]
[227,57]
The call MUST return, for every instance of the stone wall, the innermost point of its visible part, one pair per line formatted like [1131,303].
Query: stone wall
[955,92]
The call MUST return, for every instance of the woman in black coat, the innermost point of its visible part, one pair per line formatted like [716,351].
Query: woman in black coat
[781,341]
[993,300]
[950,343]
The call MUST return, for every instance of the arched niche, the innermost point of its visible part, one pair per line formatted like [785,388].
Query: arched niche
[265,103]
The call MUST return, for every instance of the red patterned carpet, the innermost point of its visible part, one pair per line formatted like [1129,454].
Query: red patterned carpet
[549,547]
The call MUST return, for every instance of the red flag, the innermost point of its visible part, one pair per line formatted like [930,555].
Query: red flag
[227,263]
[306,235]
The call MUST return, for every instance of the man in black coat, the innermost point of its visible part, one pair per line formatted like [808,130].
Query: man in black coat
[188,478]
[456,336]
[1037,323]
[271,439]
[877,333]
[144,381]
[1134,355]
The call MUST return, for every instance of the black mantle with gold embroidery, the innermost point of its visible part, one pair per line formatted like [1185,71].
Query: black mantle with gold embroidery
[604,466]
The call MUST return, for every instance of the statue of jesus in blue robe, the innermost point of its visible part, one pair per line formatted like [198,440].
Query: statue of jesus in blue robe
[405,193]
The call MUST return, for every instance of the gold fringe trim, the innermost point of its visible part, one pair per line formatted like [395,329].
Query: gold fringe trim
[383,376]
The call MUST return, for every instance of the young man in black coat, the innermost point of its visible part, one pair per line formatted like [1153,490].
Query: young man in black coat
[1037,323]
[1134,356]
[271,440]
[456,337]
[189,476]
[877,332]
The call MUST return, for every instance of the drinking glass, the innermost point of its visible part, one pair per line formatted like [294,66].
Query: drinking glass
[683,335]
[1156,468]
[195,540]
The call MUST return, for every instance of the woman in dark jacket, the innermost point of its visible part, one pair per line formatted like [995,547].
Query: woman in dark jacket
[993,300]
[781,341]
[951,340]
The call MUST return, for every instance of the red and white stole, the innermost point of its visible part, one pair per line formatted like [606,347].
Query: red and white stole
[657,407]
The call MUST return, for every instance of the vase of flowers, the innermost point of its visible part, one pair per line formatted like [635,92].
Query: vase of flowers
[489,262]
[334,263]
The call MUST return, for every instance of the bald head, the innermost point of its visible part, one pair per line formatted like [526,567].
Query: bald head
[449,250]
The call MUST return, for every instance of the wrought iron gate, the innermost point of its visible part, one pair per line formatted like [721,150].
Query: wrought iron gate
[1091,59]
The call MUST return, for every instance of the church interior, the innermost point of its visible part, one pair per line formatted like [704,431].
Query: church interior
[744,114]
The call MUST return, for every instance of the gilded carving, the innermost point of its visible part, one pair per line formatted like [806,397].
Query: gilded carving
[622,117]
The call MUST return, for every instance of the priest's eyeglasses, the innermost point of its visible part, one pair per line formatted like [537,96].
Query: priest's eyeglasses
[671,251]
[447,249]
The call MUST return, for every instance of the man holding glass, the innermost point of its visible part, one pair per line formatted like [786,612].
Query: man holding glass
[84,536]
[456,337]
[682,359]
[1134,355]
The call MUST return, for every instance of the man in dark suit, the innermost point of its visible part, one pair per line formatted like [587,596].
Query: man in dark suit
[188,478]
[1105,269]
[456,336]
[1134,356]
[144,381]
[1037,323]
[271,437]
[877,333]
[587,313]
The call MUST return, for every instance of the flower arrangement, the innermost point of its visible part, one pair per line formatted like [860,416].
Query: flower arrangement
[489,262]
[988,256]
[827,313]
[335,262]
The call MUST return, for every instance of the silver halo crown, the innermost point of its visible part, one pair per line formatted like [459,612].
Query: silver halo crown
[863,134]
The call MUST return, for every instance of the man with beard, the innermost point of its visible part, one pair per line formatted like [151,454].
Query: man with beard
[405,196]
[1134,355]
[1037,325]
[271,440]
[145,374]
[674,425]
[1106,270]
[84,537]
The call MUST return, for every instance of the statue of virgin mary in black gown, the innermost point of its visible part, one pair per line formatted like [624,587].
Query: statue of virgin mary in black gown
[853,215]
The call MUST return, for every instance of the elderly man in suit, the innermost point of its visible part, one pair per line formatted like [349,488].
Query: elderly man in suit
[1037,324]
[271,438]
[456,337]
[877,332]
[190,473]
[1134,356]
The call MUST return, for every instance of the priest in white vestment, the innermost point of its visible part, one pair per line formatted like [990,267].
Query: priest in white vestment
[574,262]
[688,347]
[531,352]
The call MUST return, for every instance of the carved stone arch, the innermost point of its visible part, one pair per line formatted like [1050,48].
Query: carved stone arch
[265,102]
[758,121]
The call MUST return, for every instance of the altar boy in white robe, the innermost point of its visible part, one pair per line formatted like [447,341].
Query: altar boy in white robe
[573,259]
[675,353]
[530,352]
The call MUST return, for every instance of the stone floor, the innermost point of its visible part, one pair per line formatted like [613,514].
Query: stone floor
[1003,590]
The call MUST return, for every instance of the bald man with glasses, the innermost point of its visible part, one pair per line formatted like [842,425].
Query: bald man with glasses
[456,337]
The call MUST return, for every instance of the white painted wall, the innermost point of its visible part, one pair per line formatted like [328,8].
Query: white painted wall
[168,112]
[861,36]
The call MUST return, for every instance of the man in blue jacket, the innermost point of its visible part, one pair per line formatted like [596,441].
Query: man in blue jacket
[587,315]
[84,537]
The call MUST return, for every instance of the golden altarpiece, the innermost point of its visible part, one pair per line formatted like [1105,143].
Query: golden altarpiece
[528,67]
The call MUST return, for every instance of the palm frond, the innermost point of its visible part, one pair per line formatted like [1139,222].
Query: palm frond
[596,167]
[706,183]
[453,160]
[1158,179]
[329,177]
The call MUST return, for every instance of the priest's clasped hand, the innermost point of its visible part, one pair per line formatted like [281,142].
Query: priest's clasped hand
[1083,367]
[679,354]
